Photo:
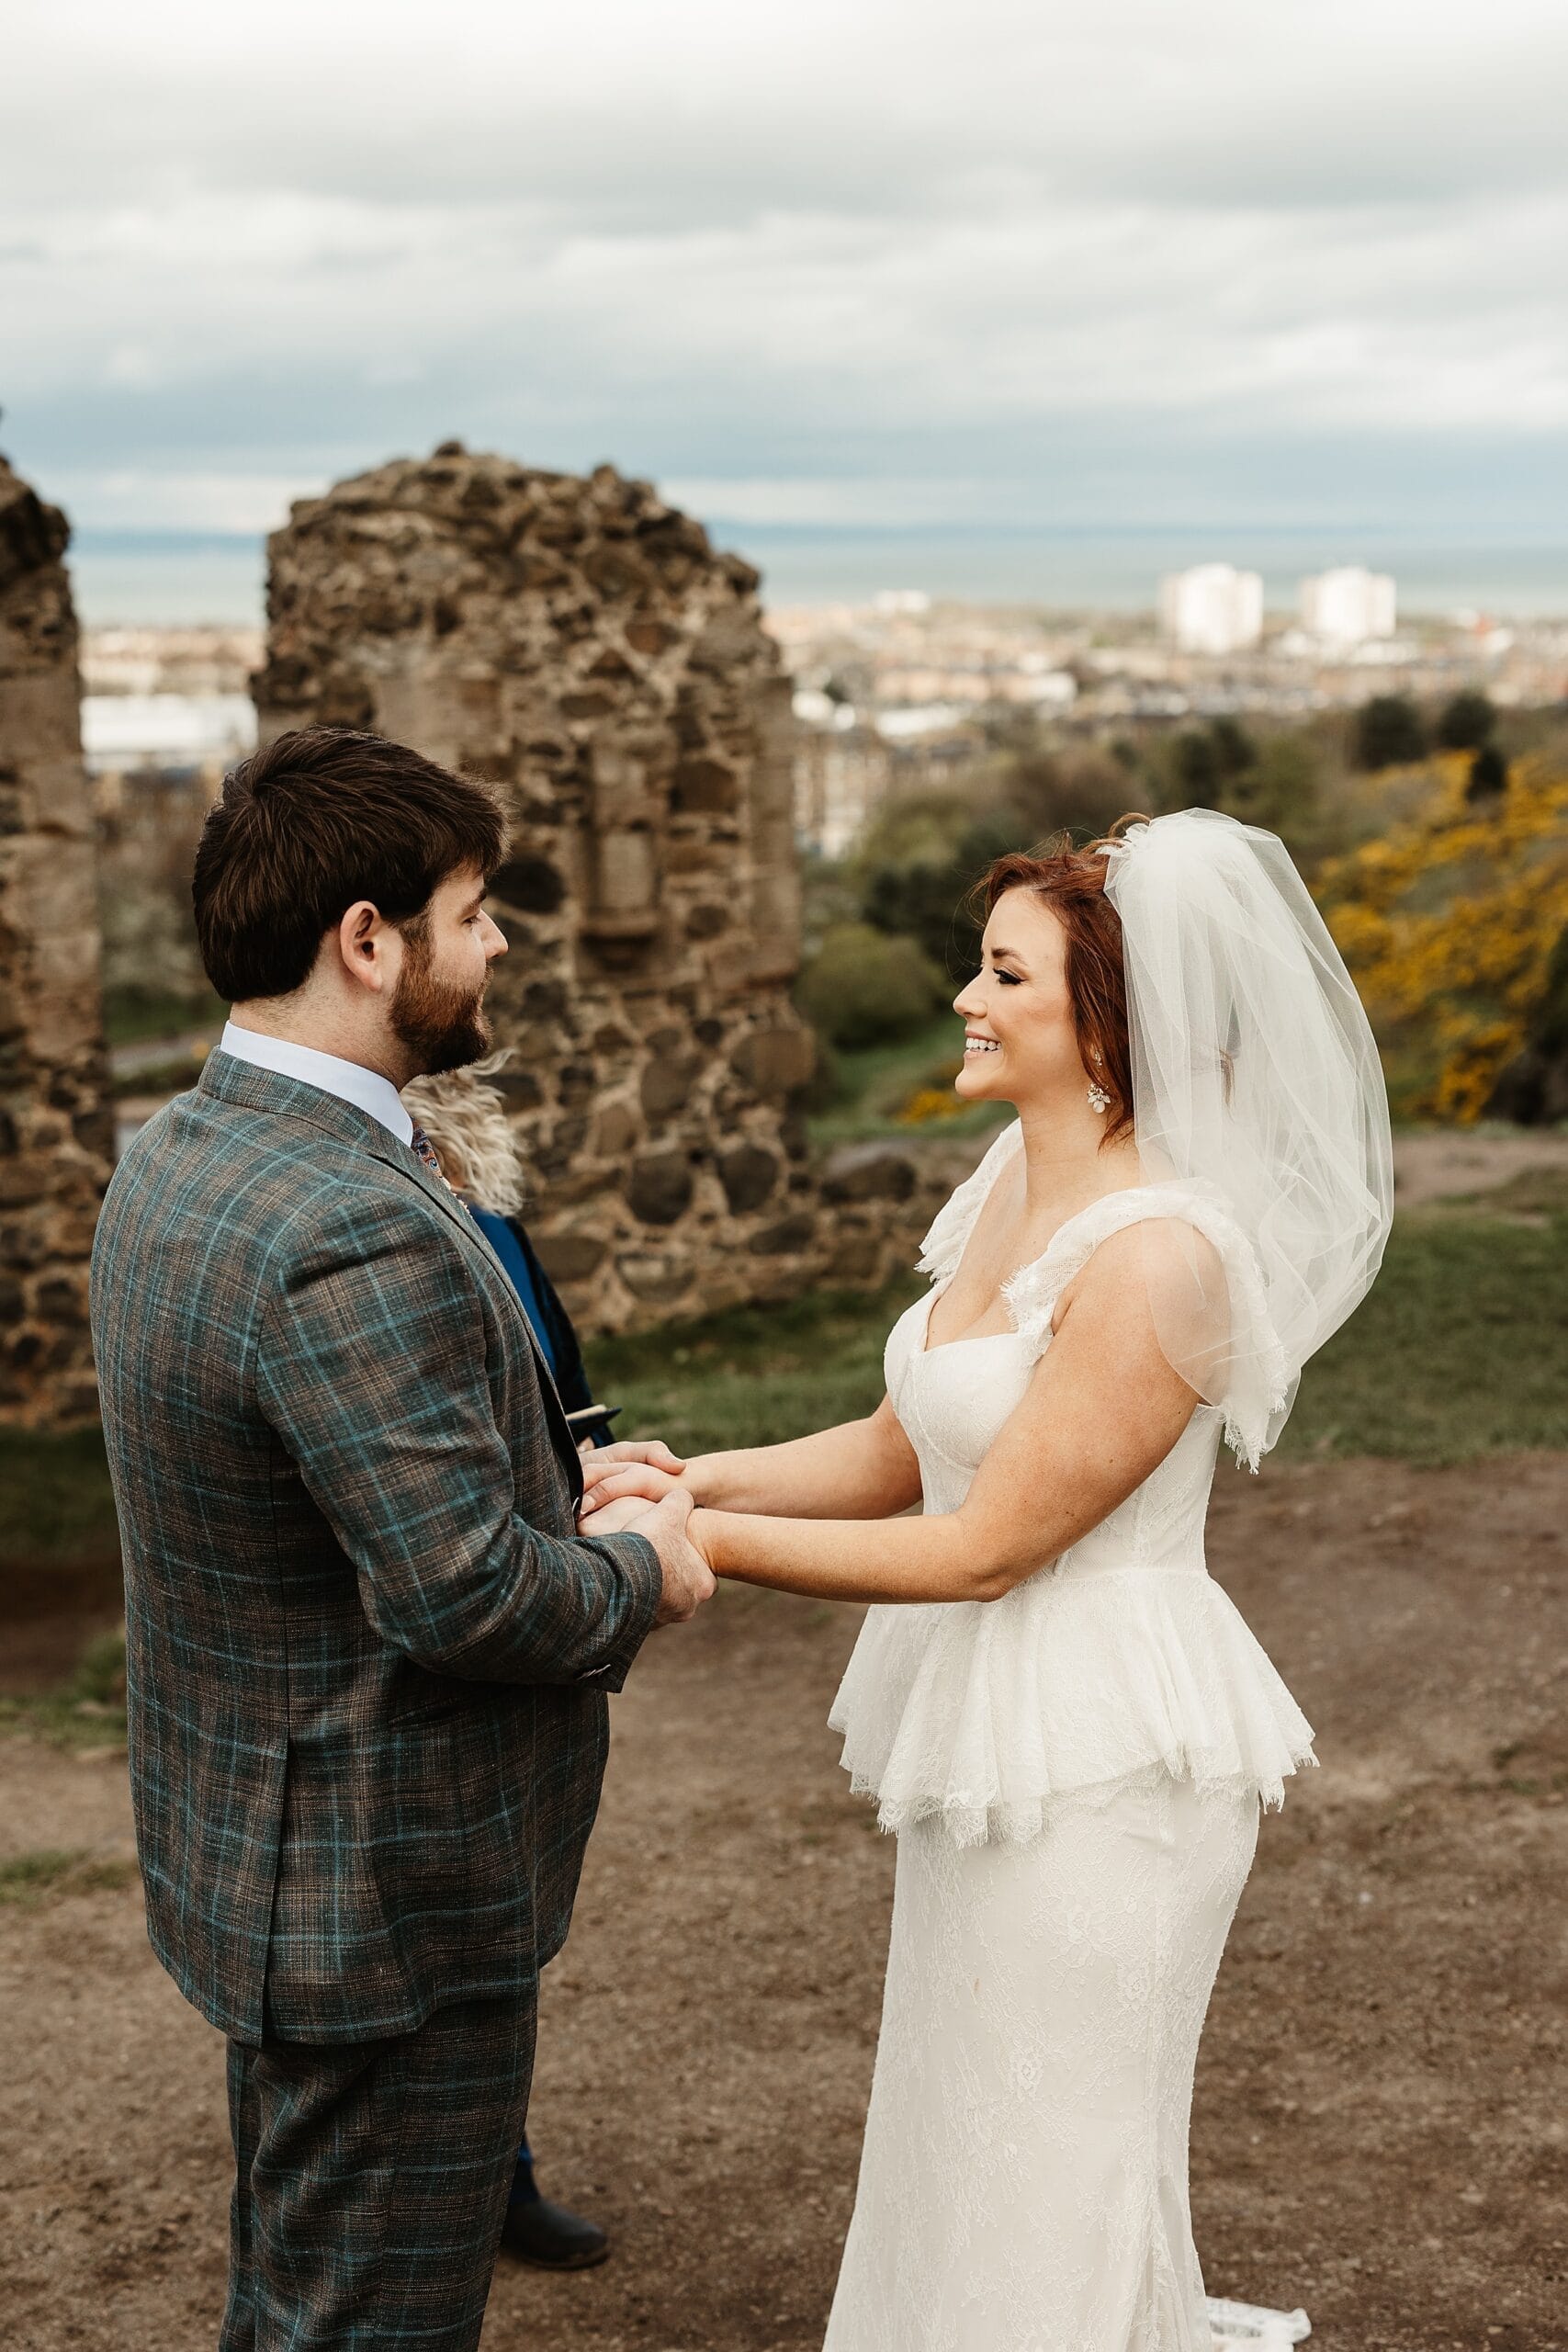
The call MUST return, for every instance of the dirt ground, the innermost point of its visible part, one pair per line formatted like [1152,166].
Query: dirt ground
[1456,1160]
[1380,2132]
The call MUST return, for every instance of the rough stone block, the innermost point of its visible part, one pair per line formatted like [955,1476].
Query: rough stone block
[570,1257]
[665,1085]
[660,1192]
[749,1174]
[789,1237]
[775,1061]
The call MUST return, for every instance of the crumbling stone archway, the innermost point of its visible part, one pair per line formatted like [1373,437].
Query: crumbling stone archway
[578,642]
[56,1122]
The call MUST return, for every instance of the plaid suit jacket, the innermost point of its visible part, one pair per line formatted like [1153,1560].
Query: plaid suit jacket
[366,1652]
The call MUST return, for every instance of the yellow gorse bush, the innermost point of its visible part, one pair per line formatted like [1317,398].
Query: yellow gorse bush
[928,1103]
[1447,921]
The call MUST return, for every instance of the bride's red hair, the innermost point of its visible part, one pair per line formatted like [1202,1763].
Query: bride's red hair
[1072,883]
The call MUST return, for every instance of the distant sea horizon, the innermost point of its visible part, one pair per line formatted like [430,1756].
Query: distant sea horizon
[178,579]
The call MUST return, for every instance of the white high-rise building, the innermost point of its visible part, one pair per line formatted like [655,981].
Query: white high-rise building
[1348,605]
[1213,608]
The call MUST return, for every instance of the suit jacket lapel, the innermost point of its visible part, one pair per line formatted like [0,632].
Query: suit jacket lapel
[234,1080]
[407,1161]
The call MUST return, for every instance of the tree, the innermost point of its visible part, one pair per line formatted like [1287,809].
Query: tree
[916,865]
[1195,772]
[862,988]
[1466,723]
[1533,1087]
[1281,789]
[1234,750]
[1080,788]
[1388,733]
[1488,777]
[1204,761]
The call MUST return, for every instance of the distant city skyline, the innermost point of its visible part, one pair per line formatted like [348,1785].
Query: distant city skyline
[172,578]
[815,270]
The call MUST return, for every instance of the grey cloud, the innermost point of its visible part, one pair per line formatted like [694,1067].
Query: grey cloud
[1107,262]
[901,115]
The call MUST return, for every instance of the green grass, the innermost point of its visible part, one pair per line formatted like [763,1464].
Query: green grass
[755,1375]
[56,1502]
[88,1711]
[132,1015]
[28,1880]
[1533,1192]
[174,1076]
[873,1083]
[1459,1350]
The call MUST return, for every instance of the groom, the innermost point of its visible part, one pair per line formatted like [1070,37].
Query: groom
[367,1654]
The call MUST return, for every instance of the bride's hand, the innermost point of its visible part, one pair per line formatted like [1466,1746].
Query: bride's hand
[636,1474]
[612,1519]
[640,1449]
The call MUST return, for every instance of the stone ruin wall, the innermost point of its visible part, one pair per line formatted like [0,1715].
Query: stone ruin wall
[56,1120]
[581,644]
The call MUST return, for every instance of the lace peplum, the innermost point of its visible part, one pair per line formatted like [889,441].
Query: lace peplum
[1120,1659]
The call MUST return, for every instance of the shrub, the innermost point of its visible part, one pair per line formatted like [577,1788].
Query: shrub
[1280,788]
[1488,774]
[1081,788]
[919,862]
[1448,921]
[1388,733]
[864,987]
[1466,723]
[1206,762]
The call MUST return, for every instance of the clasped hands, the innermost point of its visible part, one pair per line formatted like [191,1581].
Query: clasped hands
[637,1487]
[621,1483]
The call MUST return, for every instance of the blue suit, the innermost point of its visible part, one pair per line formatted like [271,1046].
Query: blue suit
[550,1322]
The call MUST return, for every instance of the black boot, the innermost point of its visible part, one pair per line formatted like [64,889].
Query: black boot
[539,2230]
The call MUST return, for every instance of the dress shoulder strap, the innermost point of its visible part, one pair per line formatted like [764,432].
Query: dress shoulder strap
[1031,1294]
[954,1222]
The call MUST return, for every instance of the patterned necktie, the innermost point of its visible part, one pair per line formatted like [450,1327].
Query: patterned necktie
[424,1149]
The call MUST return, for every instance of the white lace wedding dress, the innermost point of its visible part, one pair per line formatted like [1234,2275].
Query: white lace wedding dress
[1074,1773]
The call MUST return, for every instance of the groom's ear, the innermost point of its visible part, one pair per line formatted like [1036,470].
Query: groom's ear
[362,941]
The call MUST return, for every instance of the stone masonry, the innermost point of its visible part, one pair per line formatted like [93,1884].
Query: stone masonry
[56,1122]
[582,645]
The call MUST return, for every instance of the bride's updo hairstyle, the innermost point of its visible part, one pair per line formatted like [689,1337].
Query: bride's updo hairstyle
[1072,884]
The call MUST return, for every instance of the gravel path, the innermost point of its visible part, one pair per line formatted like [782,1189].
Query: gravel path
[1380,2120]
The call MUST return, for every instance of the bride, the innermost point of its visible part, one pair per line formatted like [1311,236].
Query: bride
[1060,1712]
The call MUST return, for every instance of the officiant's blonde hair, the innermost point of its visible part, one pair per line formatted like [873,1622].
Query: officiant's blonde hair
[474,1139]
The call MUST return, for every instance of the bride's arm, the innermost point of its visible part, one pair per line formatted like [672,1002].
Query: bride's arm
[1102,1411]
[858,1470]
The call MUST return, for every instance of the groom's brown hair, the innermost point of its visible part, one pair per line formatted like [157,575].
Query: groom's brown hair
[318,819]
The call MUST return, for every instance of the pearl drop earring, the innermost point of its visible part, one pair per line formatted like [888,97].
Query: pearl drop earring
[1099,1101]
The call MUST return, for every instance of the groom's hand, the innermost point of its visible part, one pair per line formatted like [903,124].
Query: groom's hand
[688,1579]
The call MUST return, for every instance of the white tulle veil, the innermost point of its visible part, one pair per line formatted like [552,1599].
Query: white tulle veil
[1255,1076]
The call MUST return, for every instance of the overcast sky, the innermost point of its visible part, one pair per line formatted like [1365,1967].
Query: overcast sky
[1134,262]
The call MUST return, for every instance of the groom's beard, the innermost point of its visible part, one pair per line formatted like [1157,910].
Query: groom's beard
[443,1025]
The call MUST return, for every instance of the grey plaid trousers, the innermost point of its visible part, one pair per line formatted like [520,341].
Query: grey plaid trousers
[372,2181]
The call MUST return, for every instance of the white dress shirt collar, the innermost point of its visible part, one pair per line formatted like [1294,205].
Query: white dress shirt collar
[350,1081]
